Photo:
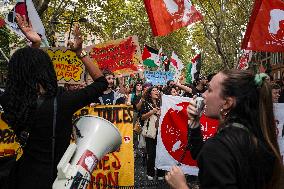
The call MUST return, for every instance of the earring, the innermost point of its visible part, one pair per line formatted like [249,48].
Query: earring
[223,114]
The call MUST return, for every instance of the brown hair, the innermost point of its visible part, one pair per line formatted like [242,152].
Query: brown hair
[254,107]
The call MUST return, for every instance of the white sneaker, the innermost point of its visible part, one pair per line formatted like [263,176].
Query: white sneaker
[160,178]
[149,177]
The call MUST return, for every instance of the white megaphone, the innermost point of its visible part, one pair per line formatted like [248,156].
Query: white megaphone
[96,137]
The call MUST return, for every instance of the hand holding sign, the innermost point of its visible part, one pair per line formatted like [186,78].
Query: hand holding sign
[27,30]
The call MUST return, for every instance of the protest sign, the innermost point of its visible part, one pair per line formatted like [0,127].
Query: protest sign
[119,56]
[172,135]
[8,141]
[68,67]
[117,168]
[158,77]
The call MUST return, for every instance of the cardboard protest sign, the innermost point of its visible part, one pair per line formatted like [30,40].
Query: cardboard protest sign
[158,77]
[68,67]
[119,56]
[117,168]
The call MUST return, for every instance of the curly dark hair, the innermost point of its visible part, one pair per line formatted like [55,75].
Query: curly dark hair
[148,97]
[27,68]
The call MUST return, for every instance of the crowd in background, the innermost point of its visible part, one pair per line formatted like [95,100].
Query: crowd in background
[146,101]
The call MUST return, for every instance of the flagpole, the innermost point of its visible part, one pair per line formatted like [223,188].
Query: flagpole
[4,55]
[72,18]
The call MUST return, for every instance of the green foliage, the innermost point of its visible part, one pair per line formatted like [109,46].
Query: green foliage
[218,37]
[220,34]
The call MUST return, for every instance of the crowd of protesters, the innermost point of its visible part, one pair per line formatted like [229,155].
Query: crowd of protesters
[234,95]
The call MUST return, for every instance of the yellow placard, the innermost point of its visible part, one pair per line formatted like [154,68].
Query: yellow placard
[68,67]
[8,141]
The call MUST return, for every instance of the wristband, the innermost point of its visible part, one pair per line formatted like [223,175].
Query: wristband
[82,54]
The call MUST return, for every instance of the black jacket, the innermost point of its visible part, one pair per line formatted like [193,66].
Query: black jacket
[230,160]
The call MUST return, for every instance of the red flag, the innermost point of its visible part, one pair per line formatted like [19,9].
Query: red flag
[265,31]
[166,16]
[2,22]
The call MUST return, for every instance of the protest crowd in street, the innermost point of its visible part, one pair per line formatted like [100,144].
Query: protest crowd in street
[221,130]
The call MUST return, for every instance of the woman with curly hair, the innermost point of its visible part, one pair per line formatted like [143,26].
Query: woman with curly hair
[28,103]
[150,113]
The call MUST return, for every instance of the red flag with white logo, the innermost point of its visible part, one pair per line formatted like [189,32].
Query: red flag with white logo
[265,31]
[166,16]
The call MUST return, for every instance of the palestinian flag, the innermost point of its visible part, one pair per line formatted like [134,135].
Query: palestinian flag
[150,57]
[188,73]
[196,67]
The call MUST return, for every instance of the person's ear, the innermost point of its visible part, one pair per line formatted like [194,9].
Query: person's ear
[229,103]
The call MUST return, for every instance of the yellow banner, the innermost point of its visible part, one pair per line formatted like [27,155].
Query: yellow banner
[8,141]
[117,168]
[68,67]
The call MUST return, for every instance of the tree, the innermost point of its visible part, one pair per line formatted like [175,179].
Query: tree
[220,34]
[114,19]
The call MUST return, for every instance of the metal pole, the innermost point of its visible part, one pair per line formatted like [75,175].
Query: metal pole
[4,55]
[71,22]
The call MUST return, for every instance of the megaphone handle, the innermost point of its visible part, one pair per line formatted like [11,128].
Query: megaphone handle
[65,160]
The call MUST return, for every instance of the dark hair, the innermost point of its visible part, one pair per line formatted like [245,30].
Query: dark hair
[167,90]
[27,68]
[135,85]
[168,82]
[107,72]
[254,109]
[148,97]
[275,86]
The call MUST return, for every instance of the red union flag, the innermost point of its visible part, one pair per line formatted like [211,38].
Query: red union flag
[166,16]
[265,31]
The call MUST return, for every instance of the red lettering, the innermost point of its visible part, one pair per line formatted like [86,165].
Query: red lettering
[105,159]
[116,165]
[100,177]
[111,181]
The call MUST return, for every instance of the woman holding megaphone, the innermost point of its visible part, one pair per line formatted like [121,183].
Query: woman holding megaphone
[30,101]
[244,153]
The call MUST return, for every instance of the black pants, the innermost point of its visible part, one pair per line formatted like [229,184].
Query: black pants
[151,154]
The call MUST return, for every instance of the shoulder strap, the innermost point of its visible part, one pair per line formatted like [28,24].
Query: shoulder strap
[53,134]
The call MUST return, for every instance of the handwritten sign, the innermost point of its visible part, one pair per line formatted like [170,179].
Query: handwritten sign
[158,77]
[118,56]
[68,67]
